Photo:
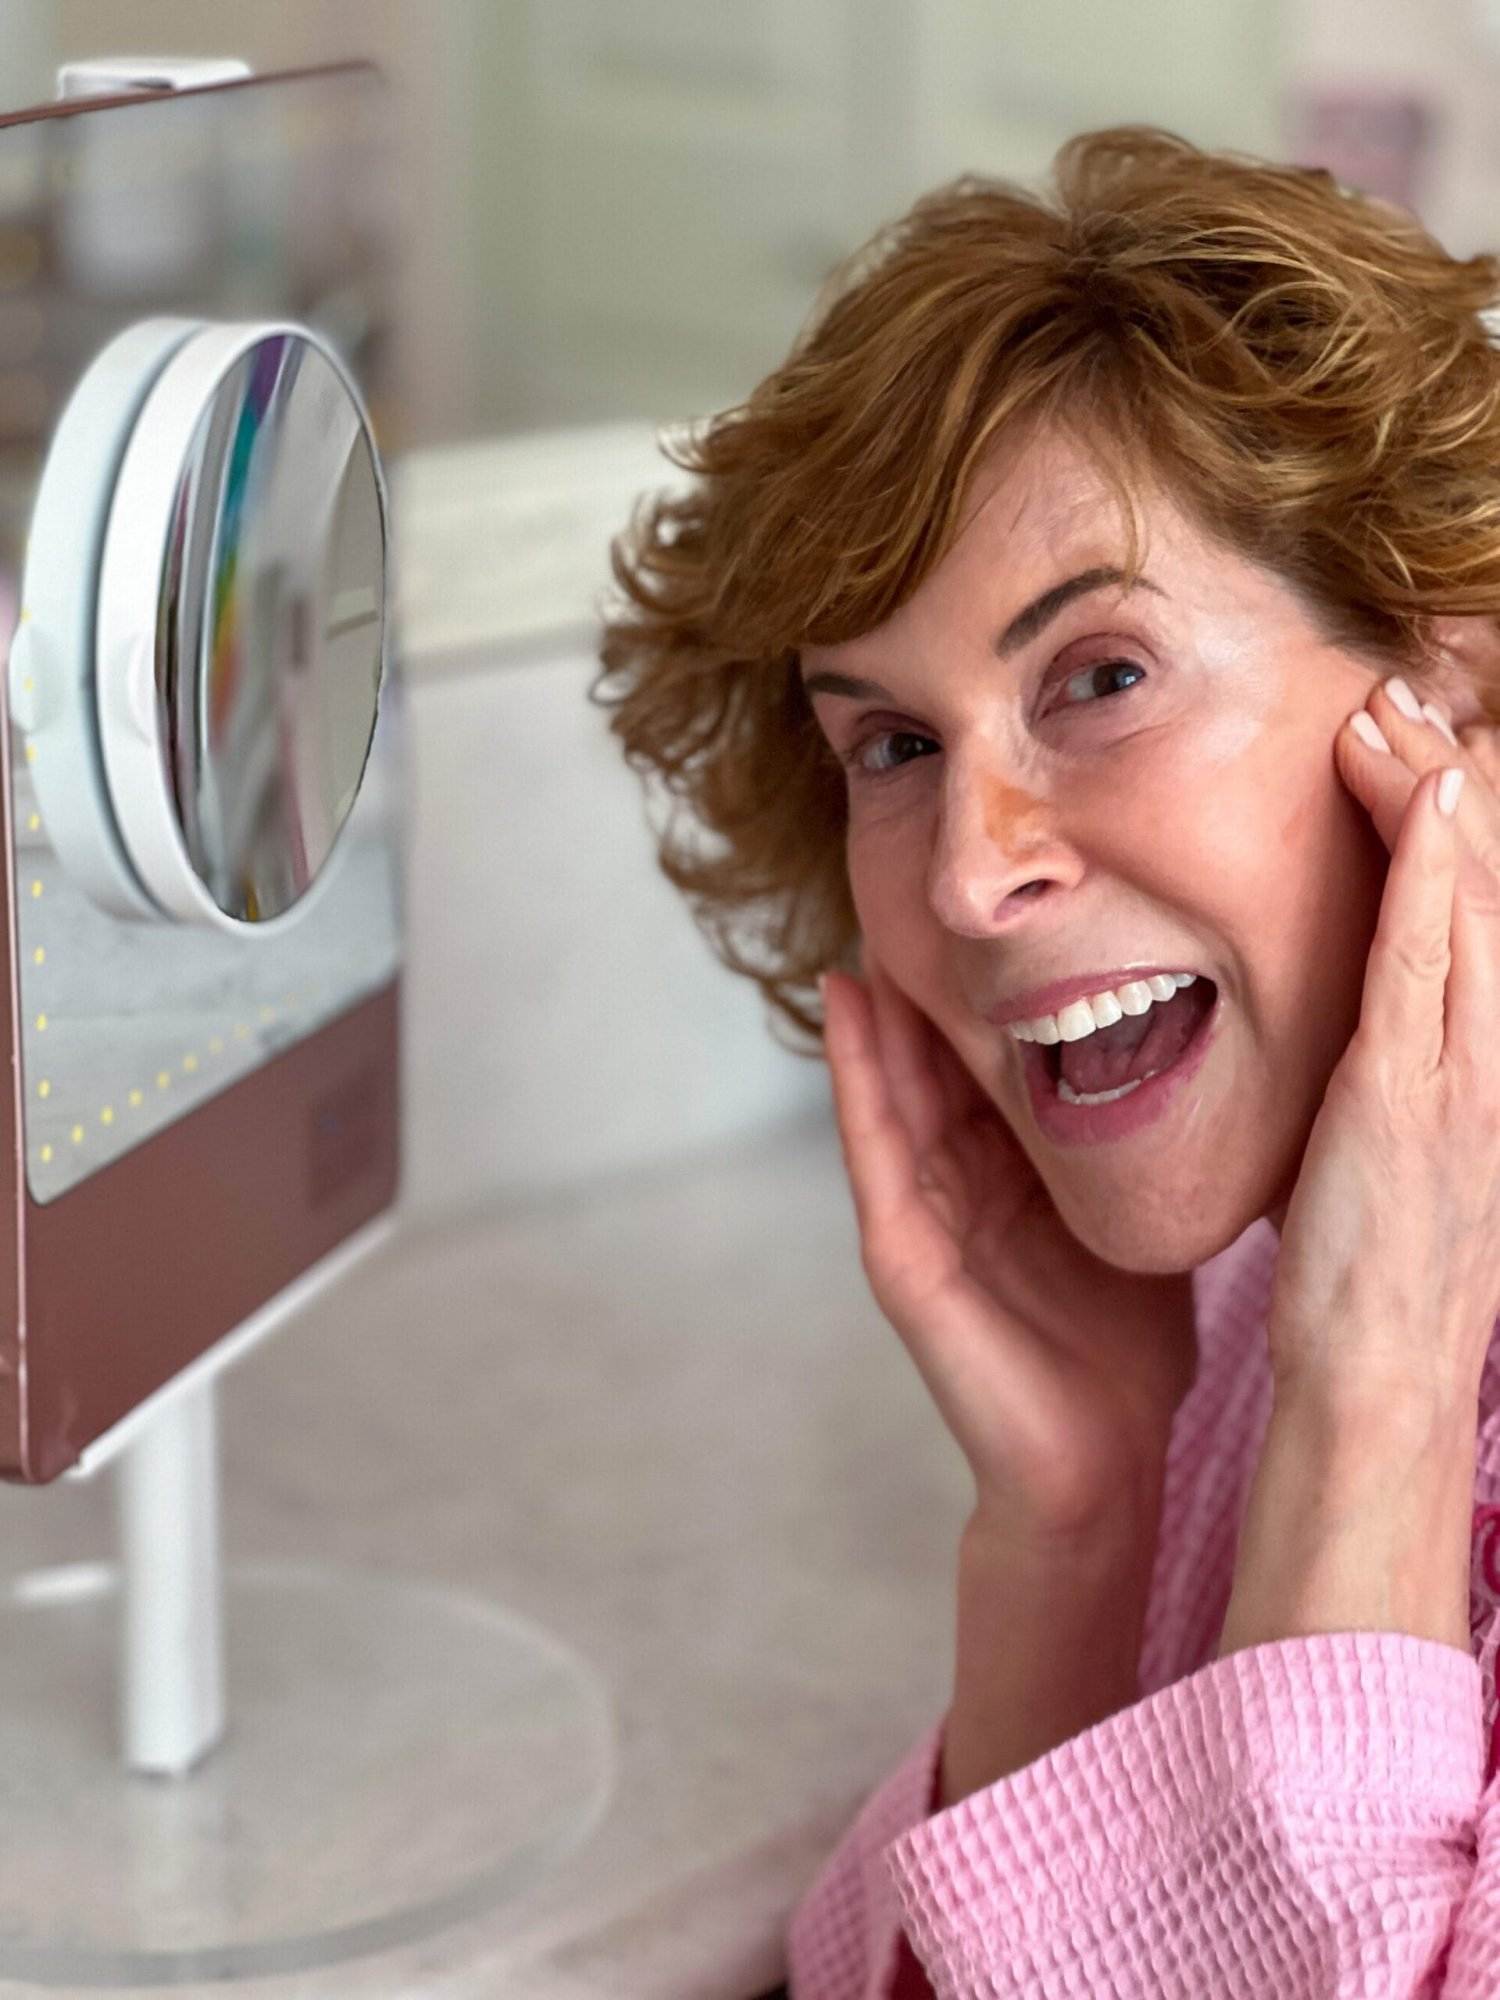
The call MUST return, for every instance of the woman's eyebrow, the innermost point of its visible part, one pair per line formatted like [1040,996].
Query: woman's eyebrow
[1026,624]
[1022,629]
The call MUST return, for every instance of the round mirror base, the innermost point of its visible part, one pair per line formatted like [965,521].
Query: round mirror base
[398,1757]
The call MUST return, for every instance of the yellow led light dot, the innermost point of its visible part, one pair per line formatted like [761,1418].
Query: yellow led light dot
[36,888]
[163,1078]
[33,823]
[268,1013]
[44,1088]
[31,753]
[107,1115]
[135,1097]
[28,684]
[77,1135]
[39,956]
[41,1022]
[240,1030]
[190,1063]
[46,1153]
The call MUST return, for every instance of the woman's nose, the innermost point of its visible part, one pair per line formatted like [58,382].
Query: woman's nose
[997,847]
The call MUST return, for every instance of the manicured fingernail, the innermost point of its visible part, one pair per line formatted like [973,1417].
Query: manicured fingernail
[1404,699]
[1449,786]
[1367,729]
[1440,722]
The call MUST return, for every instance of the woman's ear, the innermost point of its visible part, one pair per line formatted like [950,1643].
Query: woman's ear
[1462,658]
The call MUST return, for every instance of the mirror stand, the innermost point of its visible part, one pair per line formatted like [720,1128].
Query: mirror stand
[171,1625]
[391,1756]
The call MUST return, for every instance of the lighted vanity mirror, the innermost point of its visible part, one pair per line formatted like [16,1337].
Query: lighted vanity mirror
[204,795]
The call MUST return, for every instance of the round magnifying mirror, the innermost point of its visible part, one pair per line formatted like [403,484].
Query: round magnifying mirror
[241,623]
[269,634]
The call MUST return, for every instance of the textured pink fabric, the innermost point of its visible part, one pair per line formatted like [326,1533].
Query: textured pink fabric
[1306,1820]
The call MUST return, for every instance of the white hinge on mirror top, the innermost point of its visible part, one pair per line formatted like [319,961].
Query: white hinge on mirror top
[113,76]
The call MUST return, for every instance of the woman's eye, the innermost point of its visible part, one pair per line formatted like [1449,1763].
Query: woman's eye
[1086,674]
[858,761]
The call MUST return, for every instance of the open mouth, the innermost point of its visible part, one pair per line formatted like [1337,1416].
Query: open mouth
[1113,1061]
[1131,1077]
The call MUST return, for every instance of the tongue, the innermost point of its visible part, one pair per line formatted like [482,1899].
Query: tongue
[1137,1043]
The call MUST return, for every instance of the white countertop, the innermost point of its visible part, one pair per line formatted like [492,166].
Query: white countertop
[663,1419]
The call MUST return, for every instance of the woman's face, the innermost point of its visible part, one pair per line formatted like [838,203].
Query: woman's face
[1030,819]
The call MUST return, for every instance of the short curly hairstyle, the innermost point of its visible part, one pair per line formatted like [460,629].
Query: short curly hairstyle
[1302,369]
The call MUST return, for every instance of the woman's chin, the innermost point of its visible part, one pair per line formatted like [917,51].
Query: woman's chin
[1169,1197]
[1161,1231]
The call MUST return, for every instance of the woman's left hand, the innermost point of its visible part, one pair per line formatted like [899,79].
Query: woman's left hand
[1388,1277]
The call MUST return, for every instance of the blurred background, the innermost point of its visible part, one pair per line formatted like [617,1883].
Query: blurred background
[630,1380]
[622,208]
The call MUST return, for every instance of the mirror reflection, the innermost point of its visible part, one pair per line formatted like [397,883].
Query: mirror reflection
[269,641]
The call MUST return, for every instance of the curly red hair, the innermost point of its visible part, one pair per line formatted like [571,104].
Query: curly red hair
[1303,370]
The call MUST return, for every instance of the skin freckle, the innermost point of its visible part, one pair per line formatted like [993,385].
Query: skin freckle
[1007,809]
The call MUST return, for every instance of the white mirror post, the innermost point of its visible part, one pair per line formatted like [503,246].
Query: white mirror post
[172,1699]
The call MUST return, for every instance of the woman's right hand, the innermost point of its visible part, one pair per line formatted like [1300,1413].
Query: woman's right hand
[1057,1373]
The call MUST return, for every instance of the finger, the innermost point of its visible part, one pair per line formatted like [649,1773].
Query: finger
[955,1084]
[943,1102]
[1421,747]
[894,1218]
[1383,754]
[1404,1002]
[1474,981]
[901,1031]
[968,1355]
[1473,987]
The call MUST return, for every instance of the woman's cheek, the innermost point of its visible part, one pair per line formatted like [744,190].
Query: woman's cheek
[865,880]
[886,877]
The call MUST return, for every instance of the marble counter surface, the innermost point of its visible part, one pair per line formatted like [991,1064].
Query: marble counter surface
[662,1418]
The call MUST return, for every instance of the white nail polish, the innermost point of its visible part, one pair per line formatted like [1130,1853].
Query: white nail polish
[1449,786]
[1440,722]
[1403,697]
[1367,729]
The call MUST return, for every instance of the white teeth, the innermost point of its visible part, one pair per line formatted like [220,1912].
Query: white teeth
[1076,1020]
[1101,1010]
[1069,1095]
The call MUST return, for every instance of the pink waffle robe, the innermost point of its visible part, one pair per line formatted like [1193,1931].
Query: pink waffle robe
[1308,1819]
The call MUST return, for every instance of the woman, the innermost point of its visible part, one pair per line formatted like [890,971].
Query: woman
[1072,634]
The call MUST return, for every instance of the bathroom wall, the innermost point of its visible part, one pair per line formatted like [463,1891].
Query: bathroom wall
[564,1020]
[1408,90]
[626,210]
[659,189]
